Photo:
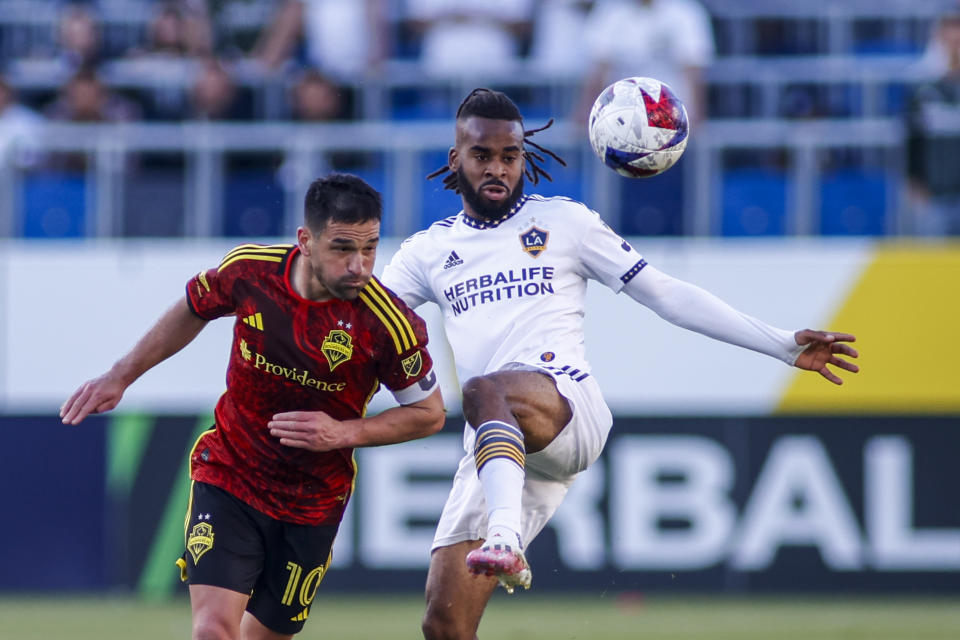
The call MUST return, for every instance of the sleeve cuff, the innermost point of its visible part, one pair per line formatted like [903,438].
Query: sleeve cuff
[418,390]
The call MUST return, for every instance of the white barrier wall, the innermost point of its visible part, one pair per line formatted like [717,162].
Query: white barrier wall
[69,309]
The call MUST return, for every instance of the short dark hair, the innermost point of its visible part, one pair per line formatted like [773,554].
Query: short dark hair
[496,105]
[340,197]
[487,103]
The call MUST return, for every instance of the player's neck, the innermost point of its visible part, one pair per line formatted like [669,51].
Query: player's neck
[472,214]
[305,284]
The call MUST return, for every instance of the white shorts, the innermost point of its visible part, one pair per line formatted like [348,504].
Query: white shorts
[549,473]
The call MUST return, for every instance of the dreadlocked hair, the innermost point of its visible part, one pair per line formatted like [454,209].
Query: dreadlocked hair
[495,105]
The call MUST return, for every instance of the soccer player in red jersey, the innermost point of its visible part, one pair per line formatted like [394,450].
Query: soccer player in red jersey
[314,337]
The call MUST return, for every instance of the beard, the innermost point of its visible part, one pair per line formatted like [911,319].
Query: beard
[344,288]
[480,205]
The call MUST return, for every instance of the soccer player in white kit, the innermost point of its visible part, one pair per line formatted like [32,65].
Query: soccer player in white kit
[510,273]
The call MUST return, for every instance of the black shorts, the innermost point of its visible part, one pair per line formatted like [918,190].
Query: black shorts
[230,544]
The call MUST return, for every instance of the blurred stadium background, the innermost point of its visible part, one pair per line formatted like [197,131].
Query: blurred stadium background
[735,498]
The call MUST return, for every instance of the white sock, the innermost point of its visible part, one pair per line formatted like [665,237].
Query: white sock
[500,454]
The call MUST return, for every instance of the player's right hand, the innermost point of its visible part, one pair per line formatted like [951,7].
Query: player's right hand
[310,430]
[823,348]
[94,396]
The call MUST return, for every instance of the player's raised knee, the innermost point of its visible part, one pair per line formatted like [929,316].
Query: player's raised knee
[481,396]
[481,387]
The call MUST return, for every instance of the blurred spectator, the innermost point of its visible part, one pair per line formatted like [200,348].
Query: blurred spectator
[214,94]
[78,36]
[162,68]
[670,40]
[17,124]
[935,61]
[84,98]
[557,47]
[316,98]
[178,30]
[343,39]
[467,37]
[933,141]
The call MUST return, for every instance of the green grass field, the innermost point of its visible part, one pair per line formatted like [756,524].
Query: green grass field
[526,617]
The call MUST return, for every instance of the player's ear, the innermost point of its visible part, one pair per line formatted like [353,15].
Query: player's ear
[453,159]
[303,240]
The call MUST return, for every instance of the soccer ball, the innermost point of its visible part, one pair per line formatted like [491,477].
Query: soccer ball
[638,127]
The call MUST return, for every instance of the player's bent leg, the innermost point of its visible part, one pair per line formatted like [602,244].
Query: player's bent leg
[524,397]
[253,629]
[513,411]
[216,612]
[456,599]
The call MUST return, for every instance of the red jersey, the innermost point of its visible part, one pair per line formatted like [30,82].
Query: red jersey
[294,354]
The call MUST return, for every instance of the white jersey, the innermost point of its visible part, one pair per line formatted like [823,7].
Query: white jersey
[513,289]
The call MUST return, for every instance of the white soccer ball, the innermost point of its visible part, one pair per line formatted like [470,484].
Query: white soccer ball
[638,127]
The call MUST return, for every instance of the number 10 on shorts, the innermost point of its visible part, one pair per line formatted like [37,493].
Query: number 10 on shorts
[307,589]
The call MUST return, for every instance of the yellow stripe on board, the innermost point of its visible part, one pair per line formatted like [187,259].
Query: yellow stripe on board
[905,312]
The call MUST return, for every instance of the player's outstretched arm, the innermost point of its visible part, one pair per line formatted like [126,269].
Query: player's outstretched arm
[823,348]
[175,329]
[316,431]
[693,308]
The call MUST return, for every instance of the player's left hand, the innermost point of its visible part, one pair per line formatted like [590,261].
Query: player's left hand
[311,430]
[822,349]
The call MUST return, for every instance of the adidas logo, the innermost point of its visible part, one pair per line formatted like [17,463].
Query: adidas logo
[255,321]
[452,260]
[300,617]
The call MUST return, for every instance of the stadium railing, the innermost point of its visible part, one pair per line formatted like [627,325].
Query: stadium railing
[395,157]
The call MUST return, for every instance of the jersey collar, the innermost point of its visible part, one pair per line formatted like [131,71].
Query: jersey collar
[491,224]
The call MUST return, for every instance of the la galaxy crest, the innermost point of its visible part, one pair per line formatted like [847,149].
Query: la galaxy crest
[337,347]
[534,241]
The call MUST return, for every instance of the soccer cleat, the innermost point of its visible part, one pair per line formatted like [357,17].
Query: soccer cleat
[498,557]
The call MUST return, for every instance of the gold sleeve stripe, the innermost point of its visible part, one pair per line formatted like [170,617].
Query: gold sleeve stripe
[383,319]
[403,325]
[392,314]
[250,256]
[269,248]
[276,249]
